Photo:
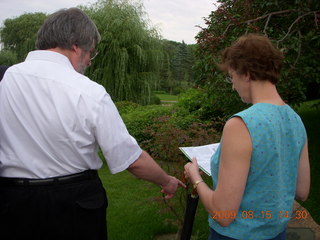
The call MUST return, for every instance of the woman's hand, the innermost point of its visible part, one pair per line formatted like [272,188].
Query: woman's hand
[191,171]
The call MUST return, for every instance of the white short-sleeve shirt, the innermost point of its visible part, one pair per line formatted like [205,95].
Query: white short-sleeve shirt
[53,120]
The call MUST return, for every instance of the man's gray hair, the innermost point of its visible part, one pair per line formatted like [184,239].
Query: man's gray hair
[68,27]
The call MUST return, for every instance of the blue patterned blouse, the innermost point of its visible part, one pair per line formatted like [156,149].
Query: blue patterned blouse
[278,137]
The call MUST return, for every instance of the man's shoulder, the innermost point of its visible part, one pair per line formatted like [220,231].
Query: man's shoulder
[89,87]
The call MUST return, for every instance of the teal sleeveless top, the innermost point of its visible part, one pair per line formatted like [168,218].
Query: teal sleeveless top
[278,137]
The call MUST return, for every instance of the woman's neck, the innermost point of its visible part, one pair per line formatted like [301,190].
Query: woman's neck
[265,92]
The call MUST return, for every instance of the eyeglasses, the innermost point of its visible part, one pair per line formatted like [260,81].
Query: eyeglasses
[93,54]
[228,79]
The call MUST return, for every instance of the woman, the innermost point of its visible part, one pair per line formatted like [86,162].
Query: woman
[262,163]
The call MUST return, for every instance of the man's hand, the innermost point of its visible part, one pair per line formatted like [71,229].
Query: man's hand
[170,188]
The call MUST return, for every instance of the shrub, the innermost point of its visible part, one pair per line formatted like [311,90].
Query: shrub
[141,118]
[125,107]
[8,58]
[163,145]
[209,104]
[161,131]
[155,99]
[160,92]
[166,136]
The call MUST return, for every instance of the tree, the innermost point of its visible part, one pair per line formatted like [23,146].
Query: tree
[18,35]
[176,73]
[129,54]
[7,58]
[292,25]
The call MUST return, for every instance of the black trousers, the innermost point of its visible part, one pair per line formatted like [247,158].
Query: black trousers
[72,210]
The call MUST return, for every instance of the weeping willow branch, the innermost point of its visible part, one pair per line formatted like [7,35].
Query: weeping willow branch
[131,53]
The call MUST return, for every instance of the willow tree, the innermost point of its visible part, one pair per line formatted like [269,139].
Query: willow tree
[18,36]
[129,52]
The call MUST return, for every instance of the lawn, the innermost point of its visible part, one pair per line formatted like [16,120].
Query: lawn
[167,97]
[131,213]
[135,212]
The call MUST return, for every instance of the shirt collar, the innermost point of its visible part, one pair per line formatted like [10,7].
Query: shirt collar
[47,55]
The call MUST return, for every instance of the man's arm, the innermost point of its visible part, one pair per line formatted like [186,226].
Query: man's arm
[147,169]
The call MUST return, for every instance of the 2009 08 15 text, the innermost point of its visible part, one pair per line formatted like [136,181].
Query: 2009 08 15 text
[249,214]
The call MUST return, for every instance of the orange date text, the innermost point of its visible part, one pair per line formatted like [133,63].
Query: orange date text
[249,214]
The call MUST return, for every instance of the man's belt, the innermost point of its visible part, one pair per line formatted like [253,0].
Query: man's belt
[86,175]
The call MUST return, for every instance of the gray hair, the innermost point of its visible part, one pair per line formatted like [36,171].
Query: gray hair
[68,27]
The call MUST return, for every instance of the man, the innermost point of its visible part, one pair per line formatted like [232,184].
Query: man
[53,120]
[2,71]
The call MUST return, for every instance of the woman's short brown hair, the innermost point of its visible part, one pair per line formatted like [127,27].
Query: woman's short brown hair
[253,54]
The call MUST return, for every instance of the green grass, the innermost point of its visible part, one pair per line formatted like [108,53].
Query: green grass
[135,212]
[132,213]
[310,117]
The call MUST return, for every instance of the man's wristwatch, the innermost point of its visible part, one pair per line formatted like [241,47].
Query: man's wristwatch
[195,185]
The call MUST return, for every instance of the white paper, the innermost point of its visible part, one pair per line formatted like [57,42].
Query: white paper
[203,155]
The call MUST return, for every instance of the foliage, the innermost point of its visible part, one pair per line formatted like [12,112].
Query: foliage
[176,73]
[166,136]
[18,35]
[155,99]
[133,61]
[292,25]
[7,58]
[161,131]
[167,97]
[141,118]
[207,105]
[129,51]
[310,114]
[125,107]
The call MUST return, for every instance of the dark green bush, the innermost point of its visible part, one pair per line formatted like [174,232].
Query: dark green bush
[141,118]
[163,145]
[160,92]
[8,58]
[209,105]
[155,99]
[166,137]
[125,107]
[161,131]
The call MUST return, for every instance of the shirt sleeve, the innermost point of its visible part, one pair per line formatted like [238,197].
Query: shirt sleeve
[119,148]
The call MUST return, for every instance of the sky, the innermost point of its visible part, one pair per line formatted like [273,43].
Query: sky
[175,19]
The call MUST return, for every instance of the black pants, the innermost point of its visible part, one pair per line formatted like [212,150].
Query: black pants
[57,211]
